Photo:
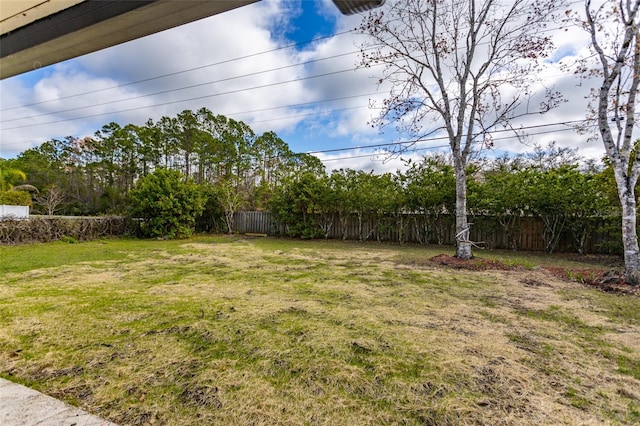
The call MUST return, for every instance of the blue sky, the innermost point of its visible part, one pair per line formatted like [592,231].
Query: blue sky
[308,21]
[236,64]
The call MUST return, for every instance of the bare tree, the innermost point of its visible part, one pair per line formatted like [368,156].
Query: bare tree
[50,200]
[463,67]
[231,201]
[614,28]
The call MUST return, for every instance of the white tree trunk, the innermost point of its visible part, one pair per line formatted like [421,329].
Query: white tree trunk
[463,244]
[618,48]
[629,235]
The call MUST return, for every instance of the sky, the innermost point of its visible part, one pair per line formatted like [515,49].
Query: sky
[287,66]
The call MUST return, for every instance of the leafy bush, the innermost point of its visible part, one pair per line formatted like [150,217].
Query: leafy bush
[168,204]
[212,218]
[15,198]
[295,204]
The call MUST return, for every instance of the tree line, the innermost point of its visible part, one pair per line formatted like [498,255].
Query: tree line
[93,175]
[571,198]
[192,172]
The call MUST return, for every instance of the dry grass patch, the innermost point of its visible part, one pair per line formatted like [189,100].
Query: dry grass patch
[235,331]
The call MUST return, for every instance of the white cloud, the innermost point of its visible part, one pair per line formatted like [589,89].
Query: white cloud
[210,48]
[377,161]
[216,40]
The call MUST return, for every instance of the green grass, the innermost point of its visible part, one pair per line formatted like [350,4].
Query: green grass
[228,330]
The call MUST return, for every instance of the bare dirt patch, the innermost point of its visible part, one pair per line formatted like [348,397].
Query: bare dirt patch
[475,264]
[610,281]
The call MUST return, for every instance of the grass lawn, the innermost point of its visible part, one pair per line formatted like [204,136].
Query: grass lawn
[230,330]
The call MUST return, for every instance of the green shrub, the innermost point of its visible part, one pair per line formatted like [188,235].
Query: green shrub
[212,218]
[168,204]
[16,198]
[69,240]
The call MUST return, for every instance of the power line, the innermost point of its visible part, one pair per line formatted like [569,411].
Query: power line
[415,149]
[182,71]
[188,70]
[185,100]
[176,101]
[304,103]
[308,114]
[288,46]
[298,105]
[182,100]
[439,138]
[331,111]
[185,87]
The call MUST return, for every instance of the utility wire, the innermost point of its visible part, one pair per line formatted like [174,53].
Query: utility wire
[182,71]
[206,66]
[440,138]
[262,86]
[303,104]
[173,102]
[187,87]
[196,68]
[415,149]
[565,123]
[571,123]
[308,114]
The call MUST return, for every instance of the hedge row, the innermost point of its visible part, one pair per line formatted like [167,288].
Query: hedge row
[46,229]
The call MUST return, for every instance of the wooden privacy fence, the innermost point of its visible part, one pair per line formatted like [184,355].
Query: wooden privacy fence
[414,228]
[259,222]
[526,234]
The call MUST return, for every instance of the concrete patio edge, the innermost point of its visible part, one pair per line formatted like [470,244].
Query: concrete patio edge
[21,406]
